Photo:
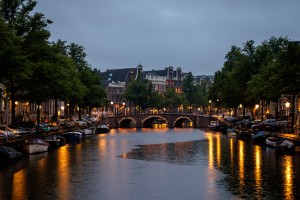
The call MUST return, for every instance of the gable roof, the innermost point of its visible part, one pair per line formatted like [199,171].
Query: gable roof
[155,72]
[117,75]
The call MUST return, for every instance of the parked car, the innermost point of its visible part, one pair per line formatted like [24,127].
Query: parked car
[42,128]
[263,125]
[66,124]
[23,128]
[91,119]
[275,127]
[53,126]
[81,123]
[6,132]
[230,120]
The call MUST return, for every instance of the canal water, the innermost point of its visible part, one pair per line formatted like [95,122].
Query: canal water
[147,164]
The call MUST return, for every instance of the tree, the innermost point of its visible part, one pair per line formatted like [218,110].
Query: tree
[138,92]
[225,85]
[289,75]
[30,27]
[173,100]
[188,89]
[155,100]
[95,95]
[264,84]
[201,95]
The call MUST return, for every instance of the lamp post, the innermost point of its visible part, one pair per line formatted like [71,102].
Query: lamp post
[112,107]
[209,108]
[287,105]
[62,111]
[256,107]
[124,110]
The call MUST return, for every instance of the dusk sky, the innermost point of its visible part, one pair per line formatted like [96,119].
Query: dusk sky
[192,34]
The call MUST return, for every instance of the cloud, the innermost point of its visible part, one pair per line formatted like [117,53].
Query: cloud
[194,35]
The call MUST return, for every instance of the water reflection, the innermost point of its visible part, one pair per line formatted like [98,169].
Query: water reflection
[218,149]
[241,166]
[18,189]
[98,167]
[210,152]
[62,172]
[257,169]
[288,177]
[253,172]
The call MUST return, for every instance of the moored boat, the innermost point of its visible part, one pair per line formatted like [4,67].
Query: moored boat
[273,141]
[90,131]
[159,123]
[286,146]
[232,134]
[102,128]
[243,135]
[260,137]
[213,125]
[72,136]
[35,145]
[9,154]
[55,141]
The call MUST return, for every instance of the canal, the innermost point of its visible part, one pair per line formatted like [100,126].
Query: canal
[148,164]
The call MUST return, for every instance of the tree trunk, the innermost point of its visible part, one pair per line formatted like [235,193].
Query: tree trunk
[55,110]
[262,110]
[13,105]
[79,113]
[276,111]
[38,118]
[293,113]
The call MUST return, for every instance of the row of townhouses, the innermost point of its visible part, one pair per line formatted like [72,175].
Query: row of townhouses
[115,81]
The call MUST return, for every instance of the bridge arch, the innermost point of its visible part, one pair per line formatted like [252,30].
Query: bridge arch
[127,122]
[148,121]
[183,122]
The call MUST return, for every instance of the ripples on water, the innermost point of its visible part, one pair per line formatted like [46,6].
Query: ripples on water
[252,172]
[185,153]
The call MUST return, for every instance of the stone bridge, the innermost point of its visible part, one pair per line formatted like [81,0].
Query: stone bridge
[173,120]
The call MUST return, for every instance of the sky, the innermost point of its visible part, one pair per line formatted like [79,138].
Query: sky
[195,35]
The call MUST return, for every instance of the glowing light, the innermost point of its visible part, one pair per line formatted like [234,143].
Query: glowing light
[210,153]
[218,151]
[241,164]
[257,169]
[288,177]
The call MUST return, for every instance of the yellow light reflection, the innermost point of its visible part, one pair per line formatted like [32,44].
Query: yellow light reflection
[210,152]
[102,145]
[63,173]
[218,151]
[257,169]
[241,163]
[288,177]
[231,153]
[19,185]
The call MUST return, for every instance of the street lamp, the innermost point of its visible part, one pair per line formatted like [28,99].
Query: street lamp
[112,107]
[124,110]
[287,105]
[209,108]
[256,107]
[62,111]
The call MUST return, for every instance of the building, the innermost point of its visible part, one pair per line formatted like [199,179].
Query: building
[165,79]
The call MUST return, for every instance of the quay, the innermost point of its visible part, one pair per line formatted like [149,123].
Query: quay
[17,143]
